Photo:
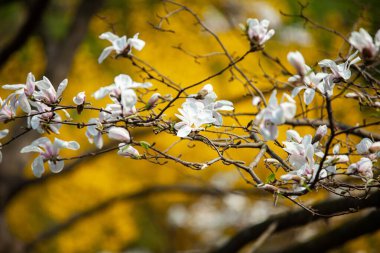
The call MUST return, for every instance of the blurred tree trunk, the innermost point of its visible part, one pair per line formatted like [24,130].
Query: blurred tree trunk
[59,55]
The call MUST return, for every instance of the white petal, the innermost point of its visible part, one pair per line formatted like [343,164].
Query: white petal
[105,53]
[56,167]
[309,96]
[61,87]
[13,86]
[38,166]
[184,131]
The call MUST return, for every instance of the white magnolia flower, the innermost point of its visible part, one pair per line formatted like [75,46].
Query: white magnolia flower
[193,116]
[275,114]
[207,96]
[363,42]
[301,157]
[367,146]
[362,167]
[23,92]
[332,160]
[306,76]
[47,93]
[80,98]
[121,45]
[258,32]
[128,151]
[93,132]
[340,71]
[3,133]
[115,90]
[45,119]
[49,152]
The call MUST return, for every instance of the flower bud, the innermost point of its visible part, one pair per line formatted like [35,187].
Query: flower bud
[297,61]
[128,151]
[320,133]
[119,133]
[152,101]
[375,147]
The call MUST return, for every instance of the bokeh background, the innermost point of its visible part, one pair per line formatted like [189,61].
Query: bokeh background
[108,203]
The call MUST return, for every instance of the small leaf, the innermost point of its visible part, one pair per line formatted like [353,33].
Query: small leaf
[145,144]
[270,179]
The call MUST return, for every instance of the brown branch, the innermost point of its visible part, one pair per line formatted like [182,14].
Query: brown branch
[298,218]
[144,193]
[336,237]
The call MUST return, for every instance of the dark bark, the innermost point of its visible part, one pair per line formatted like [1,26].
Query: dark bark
[33,19]
[296,219]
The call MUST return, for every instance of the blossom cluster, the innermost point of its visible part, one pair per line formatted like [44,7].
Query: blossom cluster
[308,156]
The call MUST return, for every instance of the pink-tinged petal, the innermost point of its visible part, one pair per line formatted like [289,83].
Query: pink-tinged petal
[24,103]
[377,39]
[119,133]
[13,86]
[56,166]
[375,147]
[61,87]
[38,166]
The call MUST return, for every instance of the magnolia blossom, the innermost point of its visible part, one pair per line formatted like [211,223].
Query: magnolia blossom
[45,119]
[122,94]
[362,167]
[121,45]
[369,148]
[47,93]
[258,32]
[275,114]
[3,133]
[128,151]
[152,101]
[49,152]
[363,42]
[23,91]
[207,96]
[80,98]
[306,76]
[339,72]
[193,116]
[8,108]
[301,156]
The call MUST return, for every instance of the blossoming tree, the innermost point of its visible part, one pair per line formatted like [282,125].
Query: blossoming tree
[285,163]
